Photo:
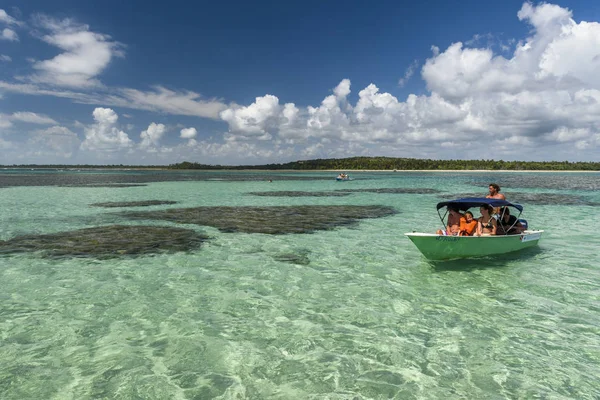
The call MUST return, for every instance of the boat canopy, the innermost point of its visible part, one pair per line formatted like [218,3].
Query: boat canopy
[469,202]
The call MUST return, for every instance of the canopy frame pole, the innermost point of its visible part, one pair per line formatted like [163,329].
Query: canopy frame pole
[514,223]
[442,217]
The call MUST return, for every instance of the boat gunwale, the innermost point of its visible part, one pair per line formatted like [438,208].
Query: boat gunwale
[423,234]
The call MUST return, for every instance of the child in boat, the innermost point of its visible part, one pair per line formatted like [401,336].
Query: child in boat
[486,224]
[469,226]
[454,223]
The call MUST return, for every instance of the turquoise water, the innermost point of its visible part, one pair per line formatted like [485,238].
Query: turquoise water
[353,312]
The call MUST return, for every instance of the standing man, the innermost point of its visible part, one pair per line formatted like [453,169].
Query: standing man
[495,194]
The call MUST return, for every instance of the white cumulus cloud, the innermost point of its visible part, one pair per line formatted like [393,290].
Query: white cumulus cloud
[188,133]
[546,94]
[7,19]
[9,34]
[151,136]
[104,136]
[85,54]
[254,120]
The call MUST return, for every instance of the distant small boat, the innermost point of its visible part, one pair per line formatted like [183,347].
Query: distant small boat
[342,177]
[439,247]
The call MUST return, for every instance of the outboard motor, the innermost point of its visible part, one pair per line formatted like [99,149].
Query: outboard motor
[524,223]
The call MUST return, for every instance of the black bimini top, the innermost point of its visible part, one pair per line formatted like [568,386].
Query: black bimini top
[469,202]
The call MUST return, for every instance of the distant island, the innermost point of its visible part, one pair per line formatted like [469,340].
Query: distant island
[357,163]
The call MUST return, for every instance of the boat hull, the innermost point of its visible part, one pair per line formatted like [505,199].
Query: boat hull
[437,247]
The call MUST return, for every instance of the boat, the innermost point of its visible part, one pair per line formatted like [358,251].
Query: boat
[342,177]
[437,247]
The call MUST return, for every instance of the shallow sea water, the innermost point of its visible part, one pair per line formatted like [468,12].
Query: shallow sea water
[353,312]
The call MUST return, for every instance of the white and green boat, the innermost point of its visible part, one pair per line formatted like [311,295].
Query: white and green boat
[439,247]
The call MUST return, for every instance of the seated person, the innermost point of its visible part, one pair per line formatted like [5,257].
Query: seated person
[509,224]
[469,226]
[454,223]
[486,224]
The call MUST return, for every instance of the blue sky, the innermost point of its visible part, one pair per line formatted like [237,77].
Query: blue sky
[259,82]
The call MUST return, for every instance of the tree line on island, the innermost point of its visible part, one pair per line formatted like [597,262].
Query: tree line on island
[358,163]
[390,163]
